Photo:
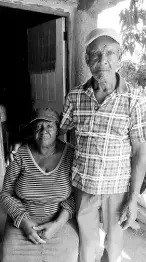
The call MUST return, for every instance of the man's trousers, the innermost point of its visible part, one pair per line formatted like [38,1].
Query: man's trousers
[87,210]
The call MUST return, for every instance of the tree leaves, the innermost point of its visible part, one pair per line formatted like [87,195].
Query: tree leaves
[130,19]
[133,73]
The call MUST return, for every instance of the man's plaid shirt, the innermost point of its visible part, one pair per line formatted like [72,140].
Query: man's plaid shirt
[104,135]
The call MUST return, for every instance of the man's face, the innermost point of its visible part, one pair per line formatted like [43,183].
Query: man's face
[103,57]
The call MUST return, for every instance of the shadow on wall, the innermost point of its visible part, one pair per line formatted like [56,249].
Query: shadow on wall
[85,4]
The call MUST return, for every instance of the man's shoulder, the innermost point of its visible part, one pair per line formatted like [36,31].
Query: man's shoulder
[80,88]
[136,91]
[137,96]
[77,89]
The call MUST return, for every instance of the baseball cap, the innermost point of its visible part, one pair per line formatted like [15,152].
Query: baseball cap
[45,113]
[98,32]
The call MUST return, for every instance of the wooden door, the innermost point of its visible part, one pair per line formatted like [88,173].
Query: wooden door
[46,64]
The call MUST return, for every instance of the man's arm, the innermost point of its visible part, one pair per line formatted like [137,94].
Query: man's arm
[66,117]
[138,165]
[22,136]
[138,169]
[62,132]
[13,150]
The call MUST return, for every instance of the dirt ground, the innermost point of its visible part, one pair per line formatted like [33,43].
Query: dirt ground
[134,249]
[135,245]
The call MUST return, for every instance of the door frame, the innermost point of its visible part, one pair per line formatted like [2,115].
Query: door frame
[62,10]
[34,7]
[67,11]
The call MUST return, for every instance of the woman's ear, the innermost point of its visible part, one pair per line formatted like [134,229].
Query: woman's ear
[87,59]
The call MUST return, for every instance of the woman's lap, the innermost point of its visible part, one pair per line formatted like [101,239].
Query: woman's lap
[62,247]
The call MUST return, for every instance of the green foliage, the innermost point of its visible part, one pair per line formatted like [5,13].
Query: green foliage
[134,73]
[131,34]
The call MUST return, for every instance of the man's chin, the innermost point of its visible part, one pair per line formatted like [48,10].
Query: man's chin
[102,75]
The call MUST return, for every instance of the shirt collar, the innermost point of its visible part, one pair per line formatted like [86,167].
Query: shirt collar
[121,86]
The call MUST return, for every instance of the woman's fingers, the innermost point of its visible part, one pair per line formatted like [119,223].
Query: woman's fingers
[36,239]
[38,228]
[41,241]
[32,239]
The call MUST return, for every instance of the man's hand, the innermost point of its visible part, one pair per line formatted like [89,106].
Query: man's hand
[27,226]
[13,150]
[47,230]
[129,214]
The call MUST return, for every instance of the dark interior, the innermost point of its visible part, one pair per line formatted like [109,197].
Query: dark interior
[15,92]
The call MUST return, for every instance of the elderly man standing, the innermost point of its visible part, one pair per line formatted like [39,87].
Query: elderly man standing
[109,117]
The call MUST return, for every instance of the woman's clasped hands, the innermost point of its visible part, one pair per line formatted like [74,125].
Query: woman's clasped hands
[47,230]
[27,226]
[38,233]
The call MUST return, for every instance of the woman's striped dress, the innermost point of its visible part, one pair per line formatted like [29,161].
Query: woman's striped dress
[30,192]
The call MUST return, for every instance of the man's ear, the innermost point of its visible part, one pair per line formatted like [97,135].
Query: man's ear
[87,59]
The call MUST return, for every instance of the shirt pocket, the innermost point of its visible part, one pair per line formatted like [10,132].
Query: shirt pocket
[120,126]
[83,121]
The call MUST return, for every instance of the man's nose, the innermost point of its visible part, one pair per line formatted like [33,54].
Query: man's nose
[104,58]
[42,128]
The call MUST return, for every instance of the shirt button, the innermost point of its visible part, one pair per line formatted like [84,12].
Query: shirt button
[96,108]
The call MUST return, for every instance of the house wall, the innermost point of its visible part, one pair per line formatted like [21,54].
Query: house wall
[82,17]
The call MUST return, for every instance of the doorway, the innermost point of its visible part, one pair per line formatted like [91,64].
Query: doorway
[22,82]
[17,92]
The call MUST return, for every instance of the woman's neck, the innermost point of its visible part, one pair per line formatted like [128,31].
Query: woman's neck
[45,150]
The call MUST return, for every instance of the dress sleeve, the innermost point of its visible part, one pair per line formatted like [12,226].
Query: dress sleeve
[11,203]
[138,123]
[67,115]
[69,204]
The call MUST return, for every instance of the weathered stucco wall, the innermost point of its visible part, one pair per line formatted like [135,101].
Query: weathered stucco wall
[57,4]
[83,24]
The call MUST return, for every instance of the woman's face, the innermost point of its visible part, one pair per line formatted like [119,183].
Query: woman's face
[44,132]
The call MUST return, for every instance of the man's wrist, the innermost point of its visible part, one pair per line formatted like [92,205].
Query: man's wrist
[133,195]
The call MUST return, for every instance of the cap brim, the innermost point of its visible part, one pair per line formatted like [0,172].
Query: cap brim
[44,118]
[96,33]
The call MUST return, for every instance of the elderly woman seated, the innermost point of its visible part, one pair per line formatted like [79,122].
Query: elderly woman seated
[37,196]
